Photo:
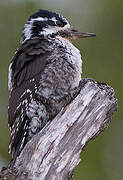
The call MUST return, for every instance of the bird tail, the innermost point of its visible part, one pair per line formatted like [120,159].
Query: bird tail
[18,139]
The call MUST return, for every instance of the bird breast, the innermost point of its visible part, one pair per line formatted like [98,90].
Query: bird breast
[73,57]
[64,70]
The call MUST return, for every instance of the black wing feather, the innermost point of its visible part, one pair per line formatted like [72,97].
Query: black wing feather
[28,62]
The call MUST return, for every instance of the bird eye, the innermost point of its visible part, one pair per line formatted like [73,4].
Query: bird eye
[59,23]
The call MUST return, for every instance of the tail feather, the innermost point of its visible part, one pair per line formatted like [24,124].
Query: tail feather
[19,138]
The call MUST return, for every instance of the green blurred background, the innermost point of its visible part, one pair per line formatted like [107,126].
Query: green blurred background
[102,60]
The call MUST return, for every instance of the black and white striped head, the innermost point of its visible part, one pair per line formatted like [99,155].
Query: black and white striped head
[46,23]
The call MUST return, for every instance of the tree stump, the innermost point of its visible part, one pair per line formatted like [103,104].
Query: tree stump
[54,152]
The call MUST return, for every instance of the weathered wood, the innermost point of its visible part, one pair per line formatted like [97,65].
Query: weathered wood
[55,151]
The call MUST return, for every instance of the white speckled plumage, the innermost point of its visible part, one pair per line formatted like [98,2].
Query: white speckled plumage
[9,77]
[44,76]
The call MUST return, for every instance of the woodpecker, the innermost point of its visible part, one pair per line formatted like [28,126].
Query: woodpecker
[43,77]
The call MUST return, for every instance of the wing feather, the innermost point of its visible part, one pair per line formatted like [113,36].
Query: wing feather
[29,60]
[27,64]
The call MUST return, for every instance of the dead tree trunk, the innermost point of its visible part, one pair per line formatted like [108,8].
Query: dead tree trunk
[54,152]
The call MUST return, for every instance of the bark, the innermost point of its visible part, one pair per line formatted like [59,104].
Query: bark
[55,151]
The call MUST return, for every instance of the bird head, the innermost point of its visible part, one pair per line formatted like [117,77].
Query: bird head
[45,23]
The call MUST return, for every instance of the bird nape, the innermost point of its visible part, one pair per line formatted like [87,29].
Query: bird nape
[44,75]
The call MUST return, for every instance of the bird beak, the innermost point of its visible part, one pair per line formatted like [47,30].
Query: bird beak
[75,34]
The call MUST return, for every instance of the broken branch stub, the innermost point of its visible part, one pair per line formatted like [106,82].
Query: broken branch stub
[54,152]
